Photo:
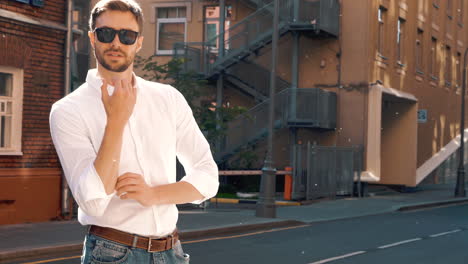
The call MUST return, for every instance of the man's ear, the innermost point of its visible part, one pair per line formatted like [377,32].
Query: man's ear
[92,39]
[139,43]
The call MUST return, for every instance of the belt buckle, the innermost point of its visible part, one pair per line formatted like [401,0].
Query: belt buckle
[149,246]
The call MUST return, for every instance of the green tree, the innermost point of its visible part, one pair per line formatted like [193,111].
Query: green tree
[194,87]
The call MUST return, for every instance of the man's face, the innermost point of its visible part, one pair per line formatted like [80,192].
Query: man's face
[115,56]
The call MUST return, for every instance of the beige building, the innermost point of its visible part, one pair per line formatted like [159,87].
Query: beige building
[395,67]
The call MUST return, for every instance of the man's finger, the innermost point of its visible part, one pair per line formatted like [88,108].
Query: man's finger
[129,175]
[128,196]
[127,189]
[117,85]
[104,92]
[128,181]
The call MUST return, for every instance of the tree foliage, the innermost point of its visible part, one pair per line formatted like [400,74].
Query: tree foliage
[194,88]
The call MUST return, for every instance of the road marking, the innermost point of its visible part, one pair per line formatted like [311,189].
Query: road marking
[51,260]
[400,243]
[243,235]
[338,257]
[446,233]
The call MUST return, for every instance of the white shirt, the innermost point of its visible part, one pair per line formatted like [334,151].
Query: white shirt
[160,128]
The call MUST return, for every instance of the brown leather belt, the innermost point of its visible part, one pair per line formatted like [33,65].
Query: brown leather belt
[149,244]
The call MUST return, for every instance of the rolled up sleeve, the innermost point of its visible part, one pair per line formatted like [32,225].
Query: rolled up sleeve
[77,155]
[193,152]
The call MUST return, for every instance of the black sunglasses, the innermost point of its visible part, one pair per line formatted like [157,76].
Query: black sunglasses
[107,35]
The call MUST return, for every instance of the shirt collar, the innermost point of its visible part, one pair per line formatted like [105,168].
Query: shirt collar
[93,80]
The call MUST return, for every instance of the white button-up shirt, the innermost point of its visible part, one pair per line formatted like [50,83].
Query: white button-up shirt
[160,128]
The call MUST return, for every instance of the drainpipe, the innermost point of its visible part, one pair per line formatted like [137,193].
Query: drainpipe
[220,81]
[66,210]
[460,187]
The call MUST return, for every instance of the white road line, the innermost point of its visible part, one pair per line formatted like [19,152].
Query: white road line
[446,233]
[338,257]
[399,243]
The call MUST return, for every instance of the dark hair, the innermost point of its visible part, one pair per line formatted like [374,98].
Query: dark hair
[116,5]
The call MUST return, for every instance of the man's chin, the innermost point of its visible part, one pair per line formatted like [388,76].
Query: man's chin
[116,68]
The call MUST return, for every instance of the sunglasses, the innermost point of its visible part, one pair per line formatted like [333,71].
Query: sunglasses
[107,35]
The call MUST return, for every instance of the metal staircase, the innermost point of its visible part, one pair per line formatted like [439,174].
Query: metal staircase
[318,17]
[314,108]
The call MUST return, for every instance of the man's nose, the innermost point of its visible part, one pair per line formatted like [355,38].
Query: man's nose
[116,41]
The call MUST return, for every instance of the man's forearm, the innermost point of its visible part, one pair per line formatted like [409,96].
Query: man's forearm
[108,157]
[176,193]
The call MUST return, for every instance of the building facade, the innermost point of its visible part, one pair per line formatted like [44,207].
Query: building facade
[33,37]
[395,67]
[381,74]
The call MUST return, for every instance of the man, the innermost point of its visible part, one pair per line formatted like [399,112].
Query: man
[117,137]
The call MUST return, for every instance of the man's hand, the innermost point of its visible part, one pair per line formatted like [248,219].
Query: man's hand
[133,186]
[119,106]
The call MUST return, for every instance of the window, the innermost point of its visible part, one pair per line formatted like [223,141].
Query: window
[381,33]
[400,39]
[419,51]
[460,11]
[449,8]
[458,72]
[448,66]
[11,108]
[171,27]
[212,28]
[433,59]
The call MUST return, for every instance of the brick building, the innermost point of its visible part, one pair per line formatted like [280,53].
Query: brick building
[33,37]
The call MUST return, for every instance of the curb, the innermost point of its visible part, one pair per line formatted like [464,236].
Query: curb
[24,254]
[250,201]
[417,206]
[231,230]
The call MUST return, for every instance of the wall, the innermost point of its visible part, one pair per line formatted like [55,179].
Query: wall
[31,182]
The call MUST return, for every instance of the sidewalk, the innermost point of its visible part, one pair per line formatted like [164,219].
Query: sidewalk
[39,238]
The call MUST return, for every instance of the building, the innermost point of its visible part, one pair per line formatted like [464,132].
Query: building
[394,67]
[381,74]
[33,65]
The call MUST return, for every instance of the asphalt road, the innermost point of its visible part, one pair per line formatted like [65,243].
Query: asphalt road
[437,235]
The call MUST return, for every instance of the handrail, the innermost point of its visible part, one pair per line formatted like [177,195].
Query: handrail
[251,125]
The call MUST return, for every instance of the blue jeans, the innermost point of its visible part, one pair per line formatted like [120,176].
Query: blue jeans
[97,250]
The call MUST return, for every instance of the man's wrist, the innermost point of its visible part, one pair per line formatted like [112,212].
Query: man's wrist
[155,197]
[115,125]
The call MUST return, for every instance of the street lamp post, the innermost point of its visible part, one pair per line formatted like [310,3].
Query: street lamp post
[266,203]
[460,187]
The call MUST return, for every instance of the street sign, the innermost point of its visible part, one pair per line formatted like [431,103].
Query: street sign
[422,116]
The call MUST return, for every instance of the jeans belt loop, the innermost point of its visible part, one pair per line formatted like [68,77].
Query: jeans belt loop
[171,242]
[135,240]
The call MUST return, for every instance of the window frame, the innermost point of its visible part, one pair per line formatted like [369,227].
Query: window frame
[161,21]
[433,70]
[401,27]
[381,19]
[448,76]
[419,51]
[17,111]
[449,9]
[458,70]
[460,10]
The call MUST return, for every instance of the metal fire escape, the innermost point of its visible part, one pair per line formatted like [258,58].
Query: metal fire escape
[306,108]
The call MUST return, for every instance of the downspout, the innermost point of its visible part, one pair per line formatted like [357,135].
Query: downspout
[66,210]
[220,81]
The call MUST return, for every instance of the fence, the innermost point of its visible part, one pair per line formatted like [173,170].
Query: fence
[321,171]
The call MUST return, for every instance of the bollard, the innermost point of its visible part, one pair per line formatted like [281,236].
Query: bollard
[288,184]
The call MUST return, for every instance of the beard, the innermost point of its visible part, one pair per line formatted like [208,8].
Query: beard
[114,67]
